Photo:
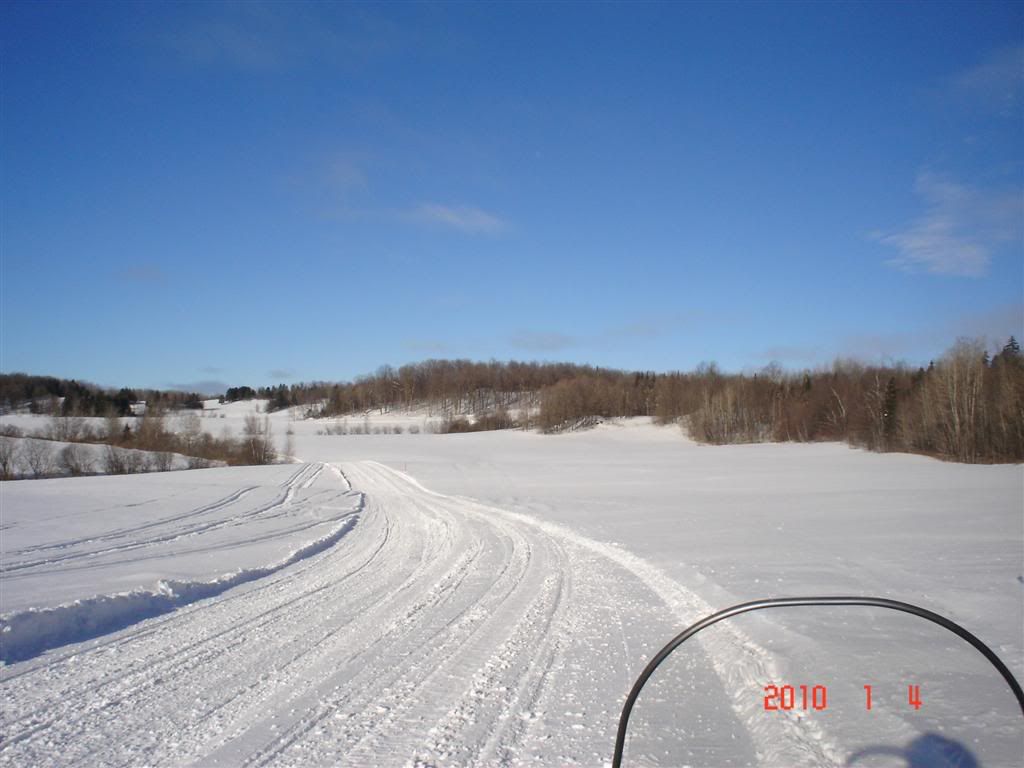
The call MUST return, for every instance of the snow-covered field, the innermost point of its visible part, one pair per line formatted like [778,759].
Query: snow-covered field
[489,598]
[117,549]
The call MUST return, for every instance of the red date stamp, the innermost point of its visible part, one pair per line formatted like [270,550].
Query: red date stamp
[786,698]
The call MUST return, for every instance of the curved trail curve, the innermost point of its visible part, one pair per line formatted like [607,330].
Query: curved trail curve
[437,631]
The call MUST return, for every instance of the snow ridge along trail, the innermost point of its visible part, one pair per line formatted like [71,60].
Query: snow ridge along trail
[435,631]
[30,632]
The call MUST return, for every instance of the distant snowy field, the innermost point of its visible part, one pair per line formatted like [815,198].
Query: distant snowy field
[489,598]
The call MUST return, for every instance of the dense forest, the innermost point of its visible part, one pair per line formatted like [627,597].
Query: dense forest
[68,397]
[967,405]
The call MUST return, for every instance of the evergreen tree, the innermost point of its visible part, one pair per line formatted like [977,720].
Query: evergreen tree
[279,398]
[1010,355]
[1012,348]
[123,400]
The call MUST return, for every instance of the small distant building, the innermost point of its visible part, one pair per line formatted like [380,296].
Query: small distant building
[138,408]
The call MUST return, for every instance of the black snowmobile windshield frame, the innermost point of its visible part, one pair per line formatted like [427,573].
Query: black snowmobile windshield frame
[797,602]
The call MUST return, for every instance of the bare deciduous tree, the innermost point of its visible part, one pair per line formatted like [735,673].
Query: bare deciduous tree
[959,388]
[114,460]
[257,443]
[75,460]
[38,457]
[191,429]
[136,461]
[8,453]
[67,429]
[150,431]
[113,429]
[162,461]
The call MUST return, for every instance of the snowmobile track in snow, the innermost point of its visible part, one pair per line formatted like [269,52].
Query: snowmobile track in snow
[437,631]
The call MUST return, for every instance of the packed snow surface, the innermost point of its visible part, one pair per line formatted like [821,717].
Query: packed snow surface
[489,599]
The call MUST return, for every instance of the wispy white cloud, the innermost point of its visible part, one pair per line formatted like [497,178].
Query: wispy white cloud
[998,81]
[650,326]
[281,373]
[345,173]
[932,245]
[542,341]
[995,324]
[464,218]
[915,345]
[958,231]
[260,37]
[240,36]
[887,347]
[653,326]
[992,326]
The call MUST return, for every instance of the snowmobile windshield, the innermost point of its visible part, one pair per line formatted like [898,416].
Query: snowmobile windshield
[829,685]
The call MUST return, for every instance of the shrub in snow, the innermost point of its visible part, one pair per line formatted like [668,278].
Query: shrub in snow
[38,457]
[136,462]
[114,461]
[7,458]
[74,459]
[163,461]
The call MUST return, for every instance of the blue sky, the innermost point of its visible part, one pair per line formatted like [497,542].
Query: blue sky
[255,193]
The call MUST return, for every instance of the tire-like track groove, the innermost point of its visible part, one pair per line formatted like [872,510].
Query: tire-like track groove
[439,631]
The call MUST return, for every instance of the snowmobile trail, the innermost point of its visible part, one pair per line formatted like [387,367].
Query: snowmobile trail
[436,631]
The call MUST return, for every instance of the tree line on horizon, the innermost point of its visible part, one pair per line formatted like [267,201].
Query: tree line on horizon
[966,406]
[69,397]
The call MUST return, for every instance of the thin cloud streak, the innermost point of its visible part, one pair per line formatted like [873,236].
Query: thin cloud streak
[996,82]
[959,230]
[931,244]
[241,37]
[345,173]
[257,38]
[464,218]
[916,345]
[653,326]
[543,341]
